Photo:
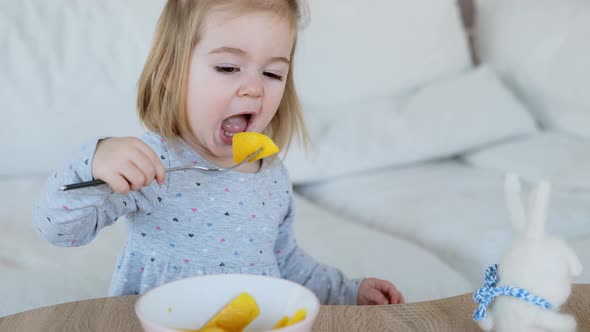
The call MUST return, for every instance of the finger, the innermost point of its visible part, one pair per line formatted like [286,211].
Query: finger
[402,300]
[159,169]
[118,183]
[392,293]
[376,297]
[133,175]
[145,165]
[394,296]
[384,286]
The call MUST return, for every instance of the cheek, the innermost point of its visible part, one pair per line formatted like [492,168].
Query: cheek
[272,100]
[208,98]
[275,94]
[210,89]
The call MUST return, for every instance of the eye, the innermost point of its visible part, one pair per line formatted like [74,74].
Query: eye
[273,76]
[227,69]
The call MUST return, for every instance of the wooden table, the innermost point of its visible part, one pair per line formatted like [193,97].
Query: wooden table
[450,314]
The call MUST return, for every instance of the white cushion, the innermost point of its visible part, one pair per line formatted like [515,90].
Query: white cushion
[362,252]
[69,73]
[561,158]
[450,209]
[440,120]
[353,49]
[541,48]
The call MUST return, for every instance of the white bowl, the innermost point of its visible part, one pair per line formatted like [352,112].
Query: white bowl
[189,303]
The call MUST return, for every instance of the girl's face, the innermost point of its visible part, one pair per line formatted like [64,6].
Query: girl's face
[237,78]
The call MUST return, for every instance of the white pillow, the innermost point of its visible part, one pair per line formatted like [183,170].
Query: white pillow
[541,48]
[68,72]
[441,120]
[352,49]
[561,158]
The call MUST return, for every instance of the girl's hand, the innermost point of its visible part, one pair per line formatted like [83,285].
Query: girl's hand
[376,291]
[126,163]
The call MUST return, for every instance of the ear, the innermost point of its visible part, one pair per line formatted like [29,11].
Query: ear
[514,202]
[538,206]
[573,262]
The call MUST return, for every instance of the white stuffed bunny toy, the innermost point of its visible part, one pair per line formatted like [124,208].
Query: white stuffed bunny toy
[535,274]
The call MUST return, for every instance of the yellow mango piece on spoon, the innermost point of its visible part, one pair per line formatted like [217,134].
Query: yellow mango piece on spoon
[236,315]
[246,143]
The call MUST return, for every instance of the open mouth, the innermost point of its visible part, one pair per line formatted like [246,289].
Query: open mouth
[233,125]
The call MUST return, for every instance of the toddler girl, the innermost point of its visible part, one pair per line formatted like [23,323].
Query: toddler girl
[216,68]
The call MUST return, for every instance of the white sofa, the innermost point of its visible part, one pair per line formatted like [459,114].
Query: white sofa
[410,143]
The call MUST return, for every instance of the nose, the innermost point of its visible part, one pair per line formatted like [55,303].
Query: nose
[251,86]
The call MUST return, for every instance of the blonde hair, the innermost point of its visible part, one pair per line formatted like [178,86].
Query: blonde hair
[163,83]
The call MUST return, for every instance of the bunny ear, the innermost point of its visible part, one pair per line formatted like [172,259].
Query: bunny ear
[514,202]
[573,262]
[539,201]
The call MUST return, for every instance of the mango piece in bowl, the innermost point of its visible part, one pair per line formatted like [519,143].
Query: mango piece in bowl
[281,323]
[246,143]
[236,315]
[212,329]
[297,317]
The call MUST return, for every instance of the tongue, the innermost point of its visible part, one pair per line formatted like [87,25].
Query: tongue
[235,124]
